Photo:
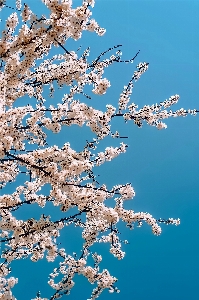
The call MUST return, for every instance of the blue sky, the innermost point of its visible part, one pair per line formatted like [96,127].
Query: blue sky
[163,166]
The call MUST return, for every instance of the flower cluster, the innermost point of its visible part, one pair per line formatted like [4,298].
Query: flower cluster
[63,169]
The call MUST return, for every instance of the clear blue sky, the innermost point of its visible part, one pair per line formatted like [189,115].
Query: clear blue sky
[163,166]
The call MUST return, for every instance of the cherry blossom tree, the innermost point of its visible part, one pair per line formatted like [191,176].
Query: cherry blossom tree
[69,173]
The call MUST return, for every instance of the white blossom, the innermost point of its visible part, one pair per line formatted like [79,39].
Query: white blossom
[63,168]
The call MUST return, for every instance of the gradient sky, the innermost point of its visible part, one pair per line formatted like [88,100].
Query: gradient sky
[162,165]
